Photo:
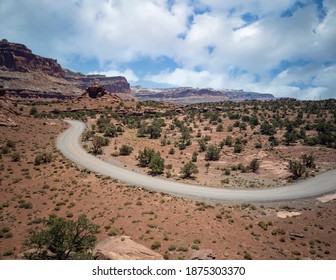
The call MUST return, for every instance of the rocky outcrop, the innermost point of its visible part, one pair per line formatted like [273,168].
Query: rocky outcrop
[203,254]
[96,91]
[188,95]
[117,85]
[6,113]
[17,57]
[26,75]
[123,248]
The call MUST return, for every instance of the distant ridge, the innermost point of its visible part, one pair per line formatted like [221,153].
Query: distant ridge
[189,95]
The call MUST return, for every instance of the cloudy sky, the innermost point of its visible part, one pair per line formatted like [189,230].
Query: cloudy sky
[283,47]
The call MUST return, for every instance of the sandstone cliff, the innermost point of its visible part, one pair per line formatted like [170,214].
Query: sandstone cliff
[27,75]
[17,57]
[6,112]
[118,84]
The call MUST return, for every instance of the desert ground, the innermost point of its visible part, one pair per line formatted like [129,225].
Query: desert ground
[300,229]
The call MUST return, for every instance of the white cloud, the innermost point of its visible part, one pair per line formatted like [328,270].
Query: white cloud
[128,74]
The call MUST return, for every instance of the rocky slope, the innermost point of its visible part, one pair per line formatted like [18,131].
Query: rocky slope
[123,248]
[188,95]
[27,75]
[6,112]
[17,57]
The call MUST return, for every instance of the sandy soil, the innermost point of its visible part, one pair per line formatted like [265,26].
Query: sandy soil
[233,231]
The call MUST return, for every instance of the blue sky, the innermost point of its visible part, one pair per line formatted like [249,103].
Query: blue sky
[285,47]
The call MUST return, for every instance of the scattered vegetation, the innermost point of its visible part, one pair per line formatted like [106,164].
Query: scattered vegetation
[63,239]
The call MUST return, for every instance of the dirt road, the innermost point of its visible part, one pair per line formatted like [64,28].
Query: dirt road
[69,144]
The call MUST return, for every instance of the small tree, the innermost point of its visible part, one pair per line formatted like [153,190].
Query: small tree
[63,239]
[202,145]
[185,136]
[297,168]
[154,131]
[254,165]
[188,170]
[142,130]
[267,129]
[110,131]
[97,143]
[194,156]
[237,148]
[308,160]
[212,153]
[290,137]
[156,164]
[145,156]
[219,128]
[33,111]
[228,141]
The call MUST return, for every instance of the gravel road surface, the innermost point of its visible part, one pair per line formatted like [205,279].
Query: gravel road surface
[70,146]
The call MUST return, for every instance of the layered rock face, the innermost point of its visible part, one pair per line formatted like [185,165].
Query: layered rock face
[26,75]
[118,84]
[188,95]
[17,57]
[6,113]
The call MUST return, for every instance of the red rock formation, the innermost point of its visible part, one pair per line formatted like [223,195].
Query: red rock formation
[117,85]
[96,91]
[17,57]
[123,248]
[6,113]
[26,75]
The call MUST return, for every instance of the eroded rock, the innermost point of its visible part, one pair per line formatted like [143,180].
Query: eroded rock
[123,248]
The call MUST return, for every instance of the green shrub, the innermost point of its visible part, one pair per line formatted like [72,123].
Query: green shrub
[156,245]
[63,239]
[258,145]
[10,144]
[25,205]
[227,171]
[33,111]
[247,255]
[171,151]
[43,158]
[125,150]
[171,248]
[237,148]
[263,225]
[113,231]
[308,160]
[194,156]
[188,170]
[16,157]
[8,252]
[156,164]
[297,168]
[144,157]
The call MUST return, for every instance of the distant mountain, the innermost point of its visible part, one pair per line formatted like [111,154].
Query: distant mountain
[27,75]
[189,95]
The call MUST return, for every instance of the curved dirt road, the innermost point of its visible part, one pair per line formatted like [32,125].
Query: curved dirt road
[69,144]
